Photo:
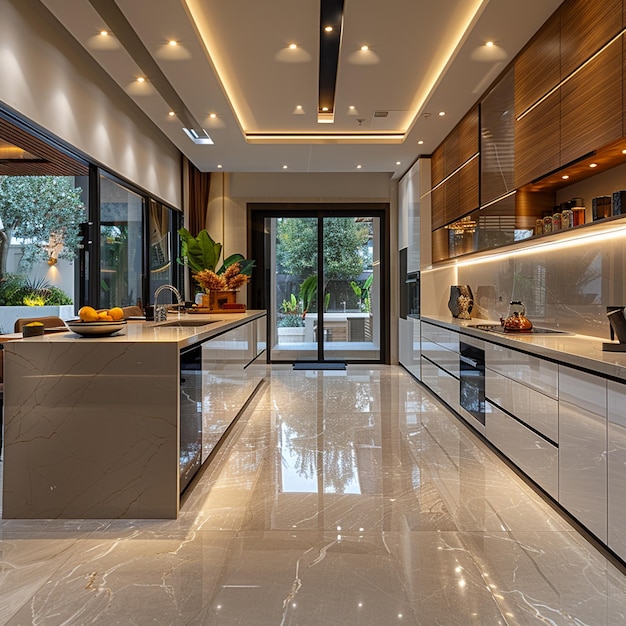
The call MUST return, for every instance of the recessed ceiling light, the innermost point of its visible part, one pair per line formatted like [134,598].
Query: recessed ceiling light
[104,33]
[624,151]
[593,165]
[141,79]
[565,177]
[293,46]
[398,162]
[420,142]
[328,29]
[285,167]
[364,48]
[171,114]
[358,167]
[442,113]
[324,109]
[489,44]
[219,166]
[172,42]
[212,115]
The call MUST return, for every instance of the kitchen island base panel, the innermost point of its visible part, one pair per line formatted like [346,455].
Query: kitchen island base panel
[91,431]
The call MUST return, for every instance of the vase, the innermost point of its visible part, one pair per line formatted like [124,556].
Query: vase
[219,298]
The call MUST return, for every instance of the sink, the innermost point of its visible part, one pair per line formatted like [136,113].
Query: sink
[186,323]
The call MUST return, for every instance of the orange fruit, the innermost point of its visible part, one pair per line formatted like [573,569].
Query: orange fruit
[104,316]
[88,314]
[116,313]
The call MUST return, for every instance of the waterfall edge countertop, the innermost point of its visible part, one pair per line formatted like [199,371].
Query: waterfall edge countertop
[580,351]
[94,426]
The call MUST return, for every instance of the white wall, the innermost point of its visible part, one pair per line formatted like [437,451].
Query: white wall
[47,77]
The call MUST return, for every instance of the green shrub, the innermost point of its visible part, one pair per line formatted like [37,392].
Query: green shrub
[19,290]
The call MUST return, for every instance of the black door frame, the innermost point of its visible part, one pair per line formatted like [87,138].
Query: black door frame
[258,288]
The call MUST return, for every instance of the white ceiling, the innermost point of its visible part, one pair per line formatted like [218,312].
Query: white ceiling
[232,60]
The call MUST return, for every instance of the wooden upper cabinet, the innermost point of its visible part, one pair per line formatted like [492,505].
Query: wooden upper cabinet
[438,207]
[437,165]
[469,136]
[591,105]
[586,26]
[468,188]
[538,66]
[537,141]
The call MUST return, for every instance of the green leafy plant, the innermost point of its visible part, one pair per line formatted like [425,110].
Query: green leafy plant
[203,253]
[362,292]
[291,306]
[290,321]
[18,290]
[308,295]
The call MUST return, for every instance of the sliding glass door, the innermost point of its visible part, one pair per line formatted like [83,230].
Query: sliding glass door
[324,283]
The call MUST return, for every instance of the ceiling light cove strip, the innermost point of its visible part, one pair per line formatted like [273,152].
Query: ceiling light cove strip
[320,138]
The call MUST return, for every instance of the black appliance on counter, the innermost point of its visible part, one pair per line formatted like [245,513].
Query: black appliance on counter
[190,414]
[472,378]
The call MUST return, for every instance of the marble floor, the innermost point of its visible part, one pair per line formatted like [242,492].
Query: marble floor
[340,498]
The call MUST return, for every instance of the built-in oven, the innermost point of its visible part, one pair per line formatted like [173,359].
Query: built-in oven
[190,426]
[472,377]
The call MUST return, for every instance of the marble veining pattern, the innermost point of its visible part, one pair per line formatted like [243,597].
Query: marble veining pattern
[339,498]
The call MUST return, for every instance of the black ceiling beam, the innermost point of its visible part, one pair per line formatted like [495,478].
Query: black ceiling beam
[331,15]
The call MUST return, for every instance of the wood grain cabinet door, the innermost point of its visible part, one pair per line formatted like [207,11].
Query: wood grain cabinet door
[537,141]
[585,28]
[591,105]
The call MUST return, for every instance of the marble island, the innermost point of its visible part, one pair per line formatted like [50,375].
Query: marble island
[115,427]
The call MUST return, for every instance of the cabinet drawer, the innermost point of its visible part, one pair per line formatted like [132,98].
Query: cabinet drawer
[441,383]
[529,370]
[530,452]
[447,338]
[443,357]
[583,448]
[531,407]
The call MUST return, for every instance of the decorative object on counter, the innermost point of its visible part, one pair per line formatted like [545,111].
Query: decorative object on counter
[457,291]
[556,221]
[96,329]
[202,254]
[464,304]
[619,202]
[617,320]
[517,320]
[538,226]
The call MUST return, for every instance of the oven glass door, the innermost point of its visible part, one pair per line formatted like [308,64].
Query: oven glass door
[472,387]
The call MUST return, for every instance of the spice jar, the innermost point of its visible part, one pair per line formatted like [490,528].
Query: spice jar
[567,218]
[547,224]
[538,226]
[556,222]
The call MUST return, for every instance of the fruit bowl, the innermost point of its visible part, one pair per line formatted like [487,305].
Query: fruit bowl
[95,329]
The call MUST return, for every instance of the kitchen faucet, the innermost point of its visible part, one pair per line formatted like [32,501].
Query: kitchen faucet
[160,310]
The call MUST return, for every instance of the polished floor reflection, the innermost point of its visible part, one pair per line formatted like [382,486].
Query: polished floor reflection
[340,498]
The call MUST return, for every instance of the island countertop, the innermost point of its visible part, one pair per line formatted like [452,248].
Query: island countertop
[197,328]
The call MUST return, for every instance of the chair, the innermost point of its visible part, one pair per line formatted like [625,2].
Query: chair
[48,322]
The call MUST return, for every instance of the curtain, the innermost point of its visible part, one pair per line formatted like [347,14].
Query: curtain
[199,185]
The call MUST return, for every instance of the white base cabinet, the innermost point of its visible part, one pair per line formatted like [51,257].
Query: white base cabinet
[583,448]
[616,400]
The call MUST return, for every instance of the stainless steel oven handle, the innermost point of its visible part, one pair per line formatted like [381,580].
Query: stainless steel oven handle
[472,362]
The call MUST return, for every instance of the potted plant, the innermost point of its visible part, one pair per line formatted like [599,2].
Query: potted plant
[202,254]
[290,323]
